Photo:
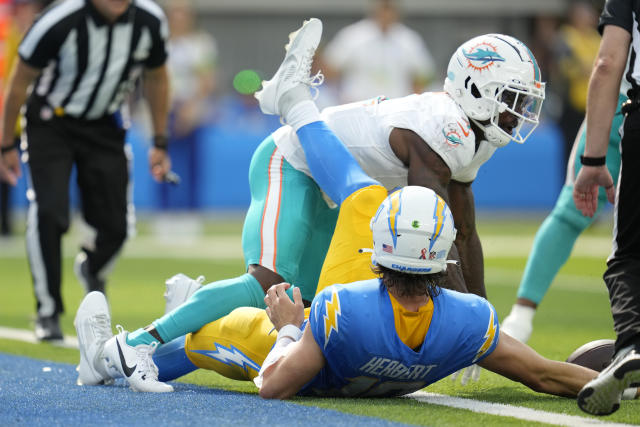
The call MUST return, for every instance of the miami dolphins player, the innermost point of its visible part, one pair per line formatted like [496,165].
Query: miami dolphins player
[559,231]
[436,140]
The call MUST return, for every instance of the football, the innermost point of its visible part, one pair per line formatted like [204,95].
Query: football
[595,355]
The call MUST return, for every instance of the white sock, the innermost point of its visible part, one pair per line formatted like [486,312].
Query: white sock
[301,114]
[523,312]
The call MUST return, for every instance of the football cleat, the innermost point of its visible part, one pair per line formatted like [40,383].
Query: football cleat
[294,72]
[48,328]
[178,289]
[602,395]
[93,326]
[134,363]
[89,282]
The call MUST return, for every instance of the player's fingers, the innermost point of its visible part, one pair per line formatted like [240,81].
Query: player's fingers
[611,193]
[454,376]
[475,375]
[297,296]
[271,293]
[281,289]
[465,376]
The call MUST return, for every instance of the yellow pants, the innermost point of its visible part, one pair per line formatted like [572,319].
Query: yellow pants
[236,345]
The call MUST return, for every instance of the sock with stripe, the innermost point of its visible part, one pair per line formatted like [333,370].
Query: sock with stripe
[209,303]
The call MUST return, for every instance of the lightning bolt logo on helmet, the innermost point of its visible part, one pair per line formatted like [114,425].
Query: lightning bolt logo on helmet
[331,317]
[439,219]
[394,211]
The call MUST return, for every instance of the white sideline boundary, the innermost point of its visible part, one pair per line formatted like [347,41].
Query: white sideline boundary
[29,336]
[499,409]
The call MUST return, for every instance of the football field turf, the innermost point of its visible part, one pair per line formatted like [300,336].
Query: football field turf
[575,311]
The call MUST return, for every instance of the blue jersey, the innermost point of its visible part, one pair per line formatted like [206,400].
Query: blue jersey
[354,326]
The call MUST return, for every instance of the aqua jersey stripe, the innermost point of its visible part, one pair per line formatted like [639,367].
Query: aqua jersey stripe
[536,69]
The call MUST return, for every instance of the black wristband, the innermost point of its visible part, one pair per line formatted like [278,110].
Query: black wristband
[9,148]
[593,161]
[161,142]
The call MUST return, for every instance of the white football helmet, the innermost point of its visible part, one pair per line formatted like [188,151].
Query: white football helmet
[413,231]
[494,73]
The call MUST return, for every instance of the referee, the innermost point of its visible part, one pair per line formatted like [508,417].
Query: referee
[81,59]
[619,26]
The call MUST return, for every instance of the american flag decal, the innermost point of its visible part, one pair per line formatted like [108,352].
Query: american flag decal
[387,248]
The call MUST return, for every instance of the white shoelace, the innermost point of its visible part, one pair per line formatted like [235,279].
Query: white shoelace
[101,326]
[145,364]
[312,81]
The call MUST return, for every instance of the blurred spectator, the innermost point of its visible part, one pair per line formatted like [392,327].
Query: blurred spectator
[576,48]
[192,63]
[15,17]
[378,55]
[544,33]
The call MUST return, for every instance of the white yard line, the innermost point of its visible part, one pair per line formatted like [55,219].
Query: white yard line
[498,409]
[29,336]
[504,410]
[171,245]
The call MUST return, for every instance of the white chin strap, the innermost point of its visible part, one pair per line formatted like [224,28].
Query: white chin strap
[493,135]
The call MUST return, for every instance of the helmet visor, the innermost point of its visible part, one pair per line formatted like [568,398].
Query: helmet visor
[522,108]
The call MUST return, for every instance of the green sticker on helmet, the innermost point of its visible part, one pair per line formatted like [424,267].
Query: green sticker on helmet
[415,224]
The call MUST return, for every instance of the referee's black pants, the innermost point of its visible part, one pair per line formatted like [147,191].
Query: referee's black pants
[96,148]
[623,273]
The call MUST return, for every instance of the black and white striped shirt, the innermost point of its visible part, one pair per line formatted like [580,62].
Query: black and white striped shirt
[90,65]
[626,14]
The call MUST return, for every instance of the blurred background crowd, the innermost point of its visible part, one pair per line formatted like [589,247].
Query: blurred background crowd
[219,52]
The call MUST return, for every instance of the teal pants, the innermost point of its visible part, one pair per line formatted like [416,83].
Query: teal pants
[560,230]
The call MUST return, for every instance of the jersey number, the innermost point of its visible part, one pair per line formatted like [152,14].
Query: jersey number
[373,387]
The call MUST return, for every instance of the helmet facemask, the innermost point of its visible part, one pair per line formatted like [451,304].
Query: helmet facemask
[521,103]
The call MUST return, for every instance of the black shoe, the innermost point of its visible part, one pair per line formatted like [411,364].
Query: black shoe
[88,281]
[48,328]
[602,395]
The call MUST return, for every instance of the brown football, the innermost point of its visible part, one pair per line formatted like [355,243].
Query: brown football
[595,354]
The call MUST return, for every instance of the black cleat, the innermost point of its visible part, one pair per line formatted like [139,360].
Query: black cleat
[602,395]
[81,269]
[48,328]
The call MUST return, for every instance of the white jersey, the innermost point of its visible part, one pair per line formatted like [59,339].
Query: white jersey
[364,128]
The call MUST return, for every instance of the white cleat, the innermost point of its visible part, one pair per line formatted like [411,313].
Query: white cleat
[602,395]
[93,326]
[294,71]
[134,363]
[178,289]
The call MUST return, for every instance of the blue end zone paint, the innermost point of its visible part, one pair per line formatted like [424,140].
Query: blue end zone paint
[30,396]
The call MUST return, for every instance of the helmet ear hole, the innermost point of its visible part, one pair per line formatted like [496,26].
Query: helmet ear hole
[475,92]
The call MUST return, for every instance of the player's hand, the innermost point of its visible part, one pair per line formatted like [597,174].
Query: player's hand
[585,189]
[10,167]
[280,309]
[470,372]
[160,163]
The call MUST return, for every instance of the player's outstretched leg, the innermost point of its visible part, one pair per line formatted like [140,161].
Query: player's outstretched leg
[93,326]
[134,363]
[602,395]
[287,94]
[292,80]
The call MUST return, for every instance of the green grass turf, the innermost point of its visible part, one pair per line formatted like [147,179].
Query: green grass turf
[575,311]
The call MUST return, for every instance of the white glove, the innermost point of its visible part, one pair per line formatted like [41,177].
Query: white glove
[470,372]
